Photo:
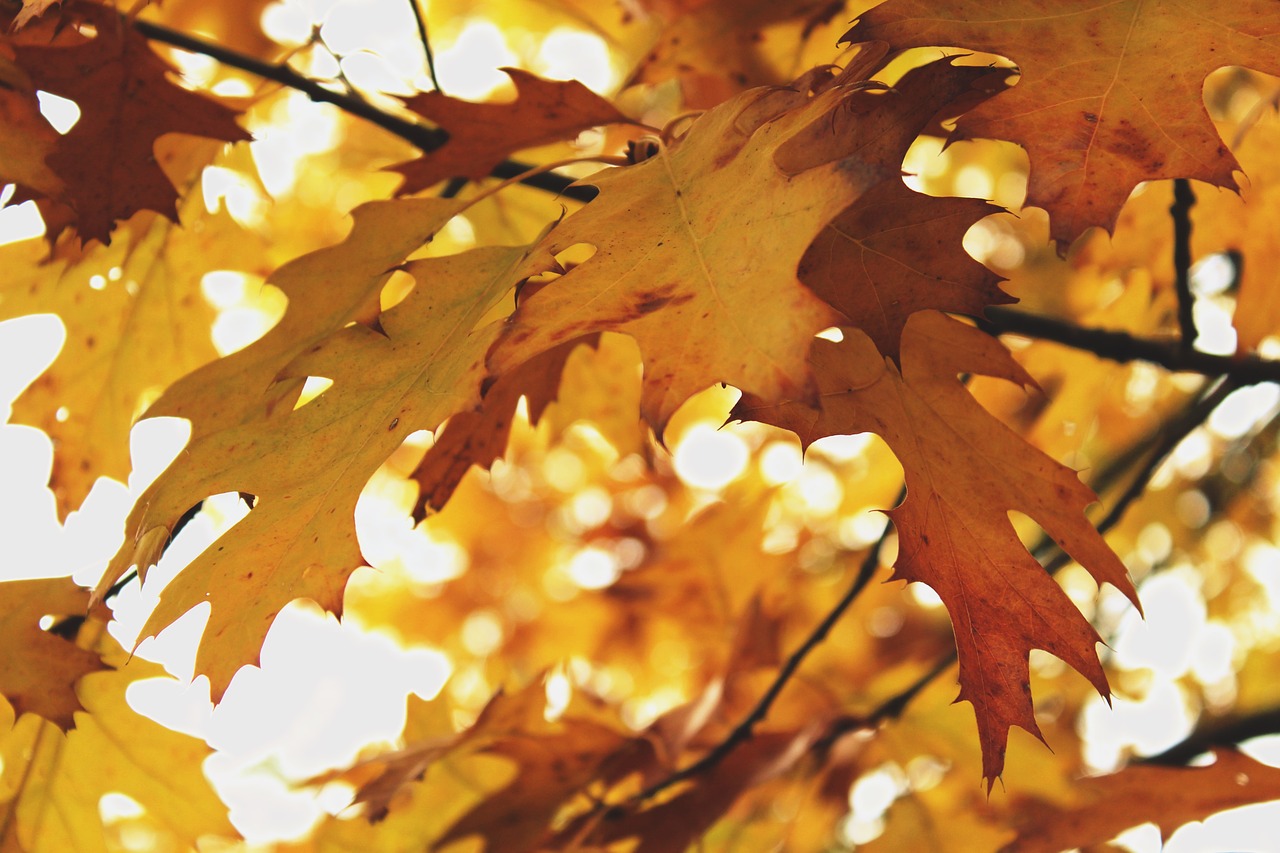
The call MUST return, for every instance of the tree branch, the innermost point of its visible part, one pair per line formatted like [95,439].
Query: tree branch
[1223,732]
[1123,347]
[427,139]
[1180,210]
[745,728]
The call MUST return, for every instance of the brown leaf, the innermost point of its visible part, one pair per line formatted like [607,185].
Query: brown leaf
[965,472]
[1110,94]
[483,135]
[1165,796]
[896,252]
[39,671]
[689,244]
[107,161]
[480,437]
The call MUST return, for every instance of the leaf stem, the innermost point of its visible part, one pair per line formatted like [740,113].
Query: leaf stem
[1183,200]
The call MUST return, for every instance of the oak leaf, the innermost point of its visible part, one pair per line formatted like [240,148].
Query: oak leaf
[350,274]
[1110,94]
[135,321]
[965,471]
[717,48]
[689,244]
[53,784]
[894,251]
[307,466]
[28,138]
[107,161]
[39,671]
[1165,796]
[479,437]
[482,135]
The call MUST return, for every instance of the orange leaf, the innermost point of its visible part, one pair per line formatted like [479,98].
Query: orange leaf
[1110,94]
[965,472]
[39,671]
[483,135]
[1165,796]
[308,465]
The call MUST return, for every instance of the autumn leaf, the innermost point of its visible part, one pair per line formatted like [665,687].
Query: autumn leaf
[54,784]
[39,671]
[1110,95]
[29,138]
[32,9]
[965,472]
[1165,796]
[716,48]
[483,135]
[479,437]
[894,251]
[688,244]
[135,321]
[106,162]
[307,466]
[351,274]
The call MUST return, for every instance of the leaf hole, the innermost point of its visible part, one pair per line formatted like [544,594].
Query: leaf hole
[311,389]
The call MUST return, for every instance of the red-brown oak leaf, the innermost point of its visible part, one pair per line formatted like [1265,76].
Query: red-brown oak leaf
[1110,94]
[965,471]
[39,671]
[1166,796]
[479,437]
[482,135]
[895,252]
[106,161]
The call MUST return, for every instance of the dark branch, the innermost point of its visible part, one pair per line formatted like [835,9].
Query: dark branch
[1180,210]
[1123,347]
[746,727]
[1228,732]
[421,21]
[427,139]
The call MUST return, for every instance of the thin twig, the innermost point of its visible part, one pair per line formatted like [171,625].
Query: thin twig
[421,20]
[1123,347]
[745,728]
[1180,210]
[427,139]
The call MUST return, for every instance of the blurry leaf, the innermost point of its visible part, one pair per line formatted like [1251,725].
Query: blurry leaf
[32,9]
[479,437]
[1100,107]
[135,319]
[52,784]
[39,671]
[716,48]
[1165,796]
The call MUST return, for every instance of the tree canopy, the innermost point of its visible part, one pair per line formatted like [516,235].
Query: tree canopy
[757,431]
